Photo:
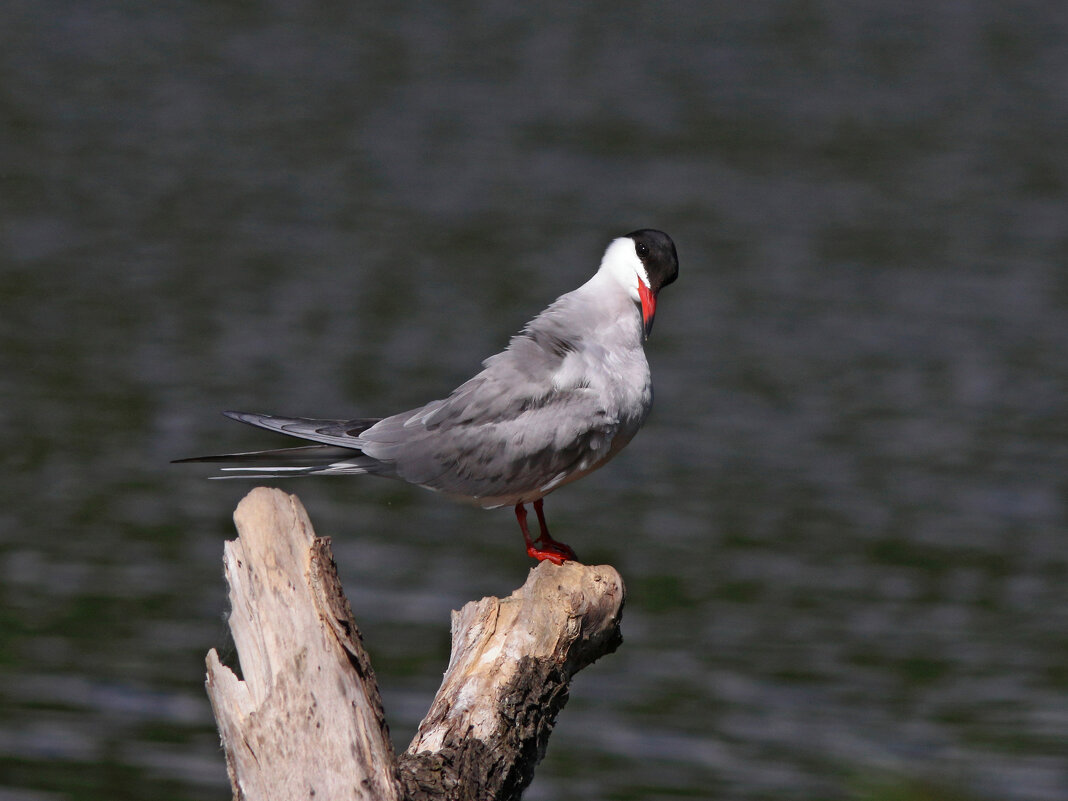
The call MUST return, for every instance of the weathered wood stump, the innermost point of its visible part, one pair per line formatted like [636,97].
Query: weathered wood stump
[307,722]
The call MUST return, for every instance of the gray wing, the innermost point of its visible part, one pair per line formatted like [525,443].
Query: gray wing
[344,433]
[510,431]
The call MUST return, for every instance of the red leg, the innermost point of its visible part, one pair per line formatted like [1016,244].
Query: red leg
[532,545]
[521,516]
[550,549]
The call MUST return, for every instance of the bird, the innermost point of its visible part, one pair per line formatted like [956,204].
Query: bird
[569,391]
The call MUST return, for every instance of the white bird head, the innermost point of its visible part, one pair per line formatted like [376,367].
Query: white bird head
[642,262]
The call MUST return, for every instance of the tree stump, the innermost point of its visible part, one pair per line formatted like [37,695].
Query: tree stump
[306,721]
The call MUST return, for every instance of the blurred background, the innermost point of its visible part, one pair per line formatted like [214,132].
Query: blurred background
[843,529]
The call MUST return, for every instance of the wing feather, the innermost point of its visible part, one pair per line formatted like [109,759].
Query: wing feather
[512,430]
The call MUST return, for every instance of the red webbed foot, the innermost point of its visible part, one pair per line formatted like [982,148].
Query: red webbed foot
[555,552]
[544,547]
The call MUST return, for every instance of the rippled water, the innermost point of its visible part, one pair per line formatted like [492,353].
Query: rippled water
[843,530]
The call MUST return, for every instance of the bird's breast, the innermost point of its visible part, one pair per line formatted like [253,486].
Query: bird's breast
[618,379]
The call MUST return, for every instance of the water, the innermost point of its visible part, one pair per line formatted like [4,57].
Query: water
[843,529]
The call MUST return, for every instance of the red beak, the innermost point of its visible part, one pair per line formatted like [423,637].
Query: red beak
[648,306]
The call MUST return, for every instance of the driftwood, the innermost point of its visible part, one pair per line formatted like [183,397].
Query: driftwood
[307,722]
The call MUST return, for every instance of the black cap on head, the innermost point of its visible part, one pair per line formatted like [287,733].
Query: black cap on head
[657,252]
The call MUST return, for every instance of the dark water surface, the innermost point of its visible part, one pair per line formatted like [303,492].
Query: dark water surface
[843,530]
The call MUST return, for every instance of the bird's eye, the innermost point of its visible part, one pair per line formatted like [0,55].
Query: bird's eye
[642,249]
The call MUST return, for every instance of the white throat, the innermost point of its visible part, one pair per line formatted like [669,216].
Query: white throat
[622,265]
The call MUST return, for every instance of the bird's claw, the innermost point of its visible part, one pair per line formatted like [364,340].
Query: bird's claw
[555,552]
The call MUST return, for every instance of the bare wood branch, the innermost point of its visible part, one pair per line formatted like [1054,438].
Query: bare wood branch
[303,723]
[512,661]
[307,719]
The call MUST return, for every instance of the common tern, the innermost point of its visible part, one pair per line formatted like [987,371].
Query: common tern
[570,390]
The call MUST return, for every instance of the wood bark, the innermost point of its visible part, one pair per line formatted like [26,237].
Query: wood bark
[306,720]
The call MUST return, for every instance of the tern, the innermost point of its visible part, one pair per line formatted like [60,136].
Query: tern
[567,394]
